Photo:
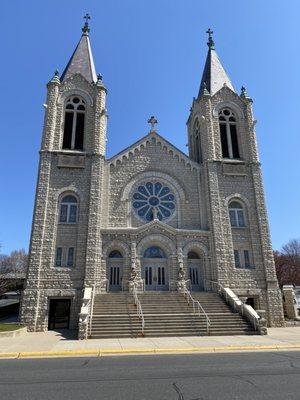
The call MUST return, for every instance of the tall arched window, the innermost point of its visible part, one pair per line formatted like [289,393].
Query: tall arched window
[197,142]
[74,124]
[237,215]
[228,132]
[68,210]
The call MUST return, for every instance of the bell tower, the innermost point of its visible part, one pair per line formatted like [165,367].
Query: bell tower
[65,246]
[222,139]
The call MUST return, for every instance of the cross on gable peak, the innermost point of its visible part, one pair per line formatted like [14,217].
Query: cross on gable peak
[152,121]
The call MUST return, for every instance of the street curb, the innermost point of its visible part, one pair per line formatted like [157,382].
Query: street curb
[107,352]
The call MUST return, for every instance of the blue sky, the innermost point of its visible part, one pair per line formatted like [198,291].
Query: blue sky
[151,55]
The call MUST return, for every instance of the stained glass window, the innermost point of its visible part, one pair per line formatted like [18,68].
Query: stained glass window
[154,252]
[115,254]
[153,197]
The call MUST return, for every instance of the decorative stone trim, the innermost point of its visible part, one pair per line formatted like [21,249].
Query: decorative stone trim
[195,245]
[227,104]
[153,137]
[158,240]
[116,245]
[70,161]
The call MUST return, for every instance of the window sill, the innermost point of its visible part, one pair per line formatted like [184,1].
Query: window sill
[69,151]
[239,227]
[245,268]
[63,268]
[68,223]
[233,160]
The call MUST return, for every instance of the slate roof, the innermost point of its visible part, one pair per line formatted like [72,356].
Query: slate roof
[214,75]
[82,61]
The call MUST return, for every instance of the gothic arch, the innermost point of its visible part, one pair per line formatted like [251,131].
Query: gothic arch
[150,175]
[227,104]
[237,196]
[68,190]
[159,240]
[195,246]
[73,92]
[123,248]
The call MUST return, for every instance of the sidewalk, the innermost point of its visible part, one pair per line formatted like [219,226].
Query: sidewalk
[56,344]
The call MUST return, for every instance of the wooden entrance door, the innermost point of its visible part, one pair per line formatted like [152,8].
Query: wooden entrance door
[155,277]
[196,282]
[115,278]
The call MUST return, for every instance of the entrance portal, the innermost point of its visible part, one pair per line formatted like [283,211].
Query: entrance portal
[59,314]
[195,276]
[115,271]
[154,270]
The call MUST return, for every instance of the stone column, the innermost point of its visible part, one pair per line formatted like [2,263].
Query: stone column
[135,279]
[181,281]
[289,302]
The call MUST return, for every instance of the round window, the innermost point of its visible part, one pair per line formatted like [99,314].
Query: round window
[153,198]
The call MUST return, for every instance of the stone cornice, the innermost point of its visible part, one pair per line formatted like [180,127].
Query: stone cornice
[156,226]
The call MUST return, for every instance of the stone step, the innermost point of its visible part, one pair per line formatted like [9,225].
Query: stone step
[165,314]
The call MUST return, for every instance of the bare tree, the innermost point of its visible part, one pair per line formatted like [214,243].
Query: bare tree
[287,262]
[12,266]
[292,250]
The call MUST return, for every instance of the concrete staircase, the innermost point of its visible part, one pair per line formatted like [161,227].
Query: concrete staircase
[165,313]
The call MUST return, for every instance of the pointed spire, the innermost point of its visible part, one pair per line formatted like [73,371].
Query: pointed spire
[81,61]
[55,78]
[244,94]
[214,75]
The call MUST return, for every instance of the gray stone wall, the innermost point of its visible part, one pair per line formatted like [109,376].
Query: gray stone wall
[107,222]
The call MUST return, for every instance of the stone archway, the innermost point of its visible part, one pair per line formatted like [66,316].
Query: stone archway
[196,256]
[155,253]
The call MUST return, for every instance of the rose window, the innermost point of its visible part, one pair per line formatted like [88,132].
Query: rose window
[153,199]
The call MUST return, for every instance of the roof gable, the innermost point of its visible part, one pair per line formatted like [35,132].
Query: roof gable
[154,137]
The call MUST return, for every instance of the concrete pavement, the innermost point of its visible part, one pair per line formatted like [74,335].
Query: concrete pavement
[64,344]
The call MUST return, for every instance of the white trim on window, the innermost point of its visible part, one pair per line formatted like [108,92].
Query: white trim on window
[64,257]
[236,215]
[242,259]
[68,210]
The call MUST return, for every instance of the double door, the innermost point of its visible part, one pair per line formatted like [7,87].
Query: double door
[155,277]
[115,278]
[195,277]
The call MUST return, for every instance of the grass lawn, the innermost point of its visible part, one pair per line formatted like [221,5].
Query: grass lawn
[9,327]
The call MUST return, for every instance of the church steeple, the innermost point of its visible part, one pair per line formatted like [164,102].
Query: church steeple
[214,75]
[81,61]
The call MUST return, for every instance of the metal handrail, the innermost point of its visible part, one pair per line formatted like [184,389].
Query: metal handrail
[241,307]
[197,307]
[139,310]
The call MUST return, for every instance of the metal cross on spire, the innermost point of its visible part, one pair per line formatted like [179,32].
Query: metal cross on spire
[152,121]
[86,28]
[210,43]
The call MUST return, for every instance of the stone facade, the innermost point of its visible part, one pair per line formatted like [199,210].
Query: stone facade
[202,188]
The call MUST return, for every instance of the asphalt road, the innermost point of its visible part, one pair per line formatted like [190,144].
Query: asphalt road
[167,377]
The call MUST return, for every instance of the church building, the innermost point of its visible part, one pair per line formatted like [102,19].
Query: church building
[151,217]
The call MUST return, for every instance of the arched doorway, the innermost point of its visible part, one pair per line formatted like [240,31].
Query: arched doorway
[115,271]
[194,270]
[154,269]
